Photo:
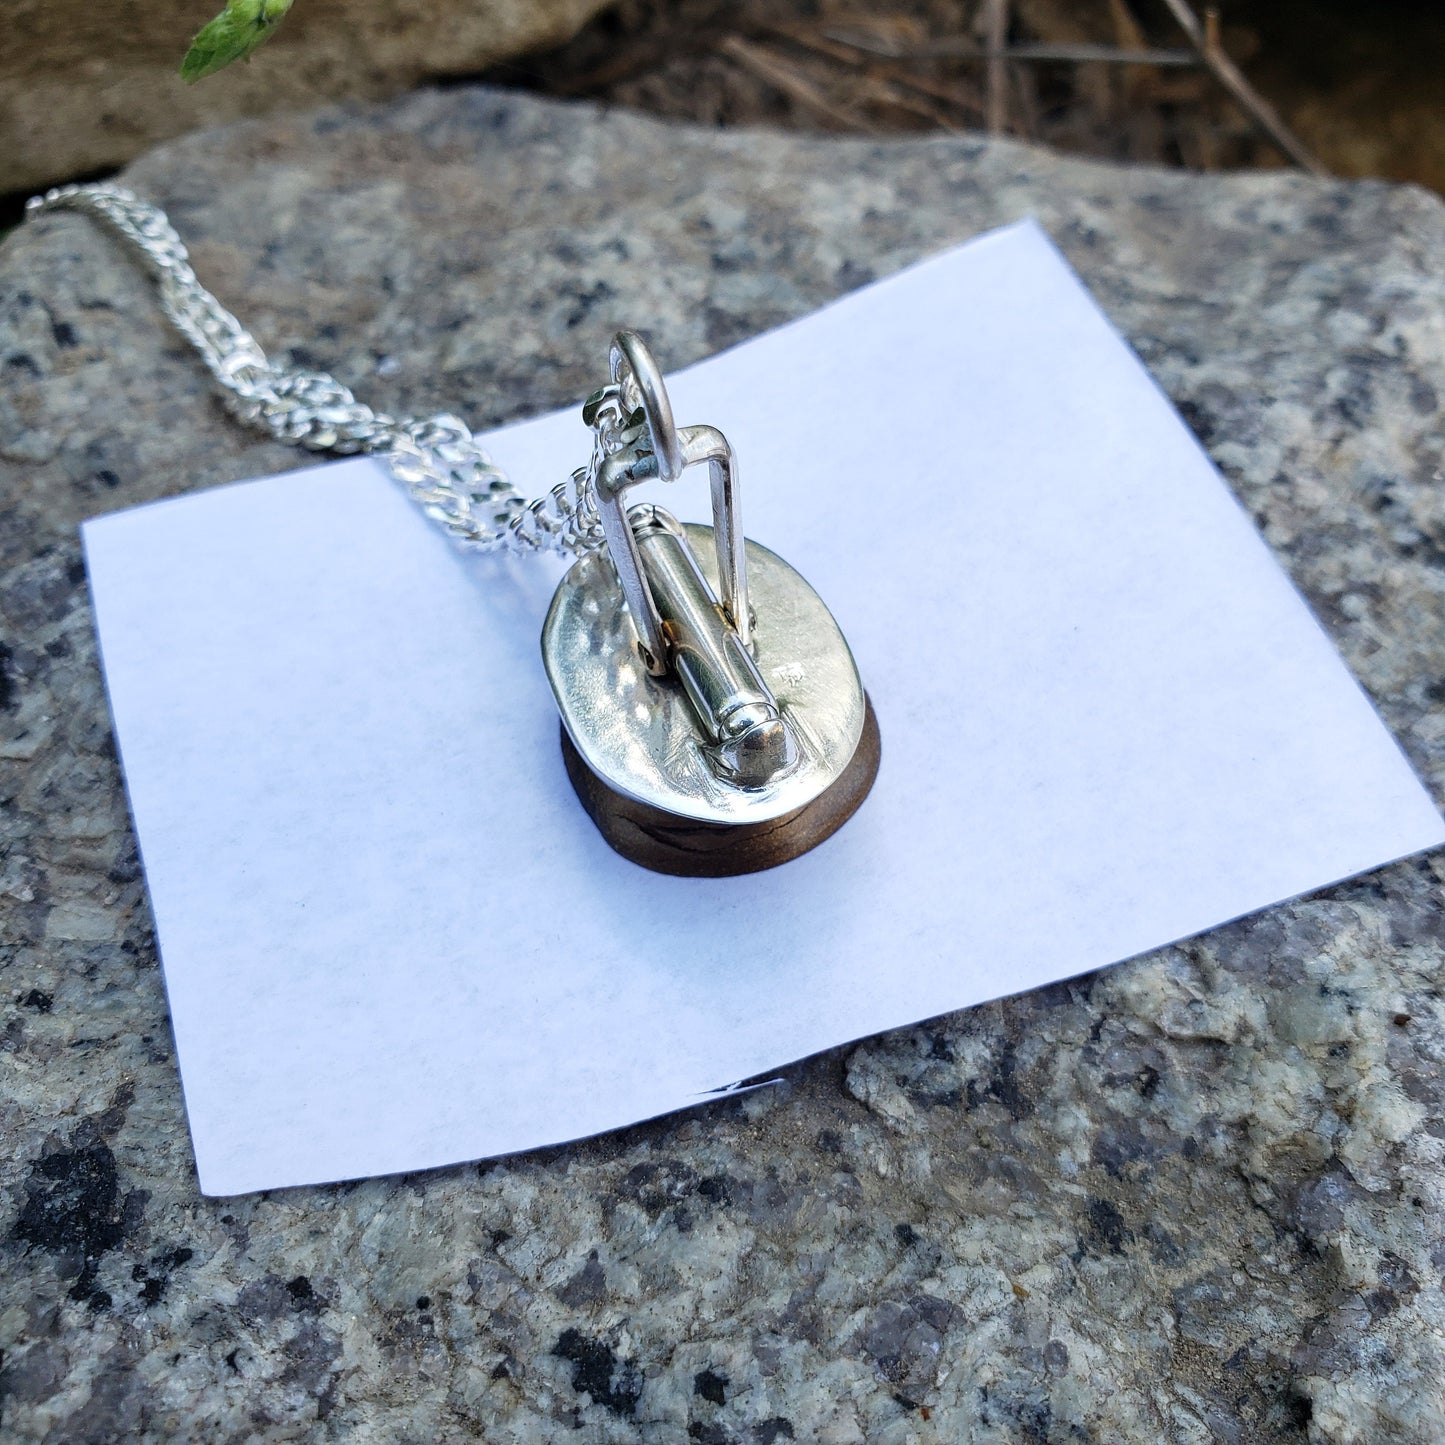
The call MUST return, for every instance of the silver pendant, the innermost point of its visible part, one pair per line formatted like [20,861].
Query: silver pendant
[713,721]
[702,683]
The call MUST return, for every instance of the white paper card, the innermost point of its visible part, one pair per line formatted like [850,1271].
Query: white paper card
[391,937]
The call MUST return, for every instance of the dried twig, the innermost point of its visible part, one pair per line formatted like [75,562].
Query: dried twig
[1206,41]
[970,101]
[768,66]
[1128,33]
[1023,87]
[958,48]
[854,56]
[885,92]
[1109,54]
[996,27]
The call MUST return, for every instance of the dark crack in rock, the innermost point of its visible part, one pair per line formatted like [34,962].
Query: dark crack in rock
[1197,1197]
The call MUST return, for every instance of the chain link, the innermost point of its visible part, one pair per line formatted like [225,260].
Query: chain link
[436,458]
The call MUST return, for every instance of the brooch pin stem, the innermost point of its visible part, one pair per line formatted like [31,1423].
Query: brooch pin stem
[747,740]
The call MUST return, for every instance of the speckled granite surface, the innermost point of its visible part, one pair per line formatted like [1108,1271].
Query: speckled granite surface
[1198,1197]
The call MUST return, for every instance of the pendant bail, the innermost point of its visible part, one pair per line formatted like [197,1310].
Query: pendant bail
[658,448]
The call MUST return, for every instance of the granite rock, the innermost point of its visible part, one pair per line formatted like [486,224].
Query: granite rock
[1197,1197]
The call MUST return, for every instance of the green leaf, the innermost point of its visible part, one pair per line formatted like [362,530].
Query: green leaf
[232,35]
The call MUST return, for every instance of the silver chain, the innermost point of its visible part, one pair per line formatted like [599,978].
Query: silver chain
[436,458]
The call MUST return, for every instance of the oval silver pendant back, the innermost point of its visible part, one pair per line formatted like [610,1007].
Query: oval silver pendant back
[637,733]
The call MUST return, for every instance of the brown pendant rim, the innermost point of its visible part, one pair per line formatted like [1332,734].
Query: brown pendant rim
[688,848]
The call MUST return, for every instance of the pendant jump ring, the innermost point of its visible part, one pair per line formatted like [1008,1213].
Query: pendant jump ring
[630,355]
